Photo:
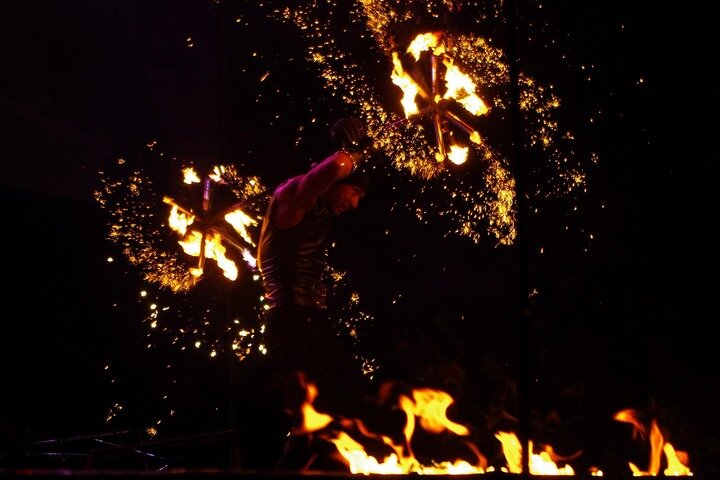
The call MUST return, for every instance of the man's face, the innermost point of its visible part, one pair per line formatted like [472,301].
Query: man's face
[342,198]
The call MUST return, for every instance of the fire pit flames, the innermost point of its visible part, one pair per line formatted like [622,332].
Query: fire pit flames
[425,410]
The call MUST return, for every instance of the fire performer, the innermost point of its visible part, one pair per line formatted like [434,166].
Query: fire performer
[292,256]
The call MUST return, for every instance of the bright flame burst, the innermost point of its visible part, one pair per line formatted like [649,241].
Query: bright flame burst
[426,413]
[397,36]
[209,241]
[132,204]
[164,243]
[426,410]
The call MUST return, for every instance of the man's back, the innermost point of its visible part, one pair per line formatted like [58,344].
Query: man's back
[292,260]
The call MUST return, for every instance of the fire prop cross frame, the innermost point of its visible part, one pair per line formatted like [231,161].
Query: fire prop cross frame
[459,88]
[206,241]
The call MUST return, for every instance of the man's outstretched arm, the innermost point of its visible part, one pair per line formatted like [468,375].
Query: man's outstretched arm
[297,195]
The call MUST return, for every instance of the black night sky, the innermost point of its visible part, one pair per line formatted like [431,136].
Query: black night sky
[624,275]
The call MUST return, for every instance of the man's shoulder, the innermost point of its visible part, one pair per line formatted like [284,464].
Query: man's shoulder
[286,190]
[289,207]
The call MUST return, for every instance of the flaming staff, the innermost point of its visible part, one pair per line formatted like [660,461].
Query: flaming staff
[206,241]
[470,207]
[459,88]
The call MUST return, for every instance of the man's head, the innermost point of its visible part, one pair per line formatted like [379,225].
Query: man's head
[346,193]
[343,197]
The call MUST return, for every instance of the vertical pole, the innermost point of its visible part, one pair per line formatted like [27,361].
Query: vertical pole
[223,156]
[437,119]
[206,205]
[524,318]
[222,97]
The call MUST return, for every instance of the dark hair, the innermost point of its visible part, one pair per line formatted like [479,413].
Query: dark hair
[358,178]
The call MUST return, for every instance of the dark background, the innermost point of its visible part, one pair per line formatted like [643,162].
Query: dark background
[622,321]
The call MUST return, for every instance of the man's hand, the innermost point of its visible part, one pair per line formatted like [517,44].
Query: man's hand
[352,136]
[349,132]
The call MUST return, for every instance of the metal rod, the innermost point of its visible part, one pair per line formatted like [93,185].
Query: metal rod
[524,313]
[459,122]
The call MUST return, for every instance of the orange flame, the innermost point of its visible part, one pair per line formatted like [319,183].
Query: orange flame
[428,405]
[179,220]
[461,88]
[431,406]
[190,176]
[240,221]
[676,461]
[539,463]
[428,408]
[360,462]
[407,85]
[424,42]
[629,416]
[312,419]
[192,244]
[457,154]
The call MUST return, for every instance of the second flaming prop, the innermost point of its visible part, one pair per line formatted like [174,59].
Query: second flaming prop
[206,240]
[459,88]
